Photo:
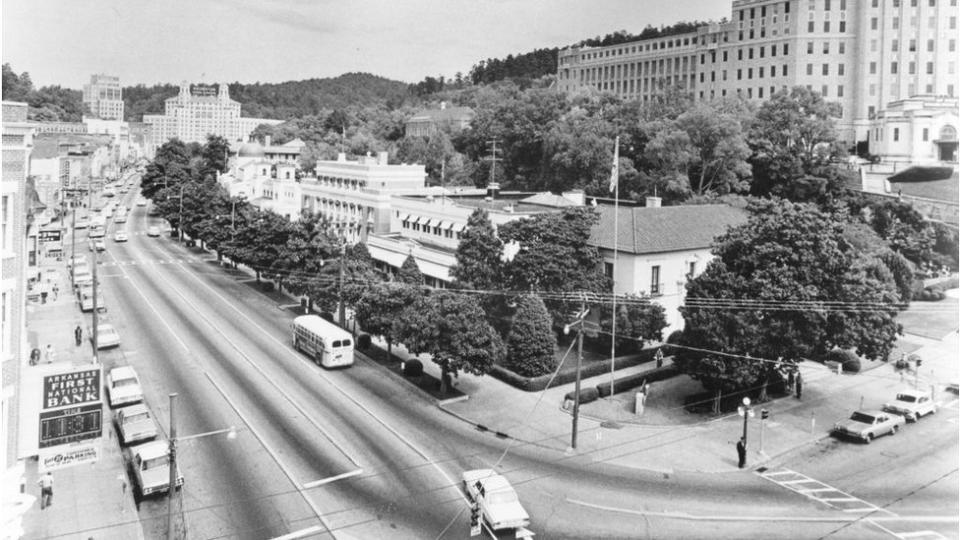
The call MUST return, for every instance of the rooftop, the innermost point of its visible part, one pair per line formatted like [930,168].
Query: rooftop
[664,229]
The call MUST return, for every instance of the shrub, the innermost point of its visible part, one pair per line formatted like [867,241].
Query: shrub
[568,375]
[363,341]
[587,394]
[632,381]
[413,368]
[672,339]
[848,359]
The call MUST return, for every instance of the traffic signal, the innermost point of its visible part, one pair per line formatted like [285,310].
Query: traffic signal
[764,414]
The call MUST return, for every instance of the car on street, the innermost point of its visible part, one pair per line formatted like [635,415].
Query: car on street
[123,386]
[76,260]
[82,276]
[911,404]
[86,302]
[141,202]
[135,424]
[96,231]
[868,425]
[82,222]
[151,468]
[98,245]
[153,231]
[499,503]
[120,236]
[107,336]
[120,218]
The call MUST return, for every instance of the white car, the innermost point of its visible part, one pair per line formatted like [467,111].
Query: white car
[107,336]
[151,468]
[135,424]
[98,245]
[120,218]
[911,404]
[123,386]
[120,236]
[153,231]
[498,501]
[141,202]
[86,305]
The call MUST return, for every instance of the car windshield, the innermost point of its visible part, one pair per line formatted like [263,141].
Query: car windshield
[137,417]
[124,382]
[154,463]
[862,417]
[500,497]
[907,397]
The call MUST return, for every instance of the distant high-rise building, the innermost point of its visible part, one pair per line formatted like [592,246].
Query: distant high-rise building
[103,97]
[200,110]
[865,55]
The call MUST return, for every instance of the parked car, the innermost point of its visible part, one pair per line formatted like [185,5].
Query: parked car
[123,386]
[500,505]
[911,404]
[135,424]
[153,231]
[86,305]
[120,218]
[868,425]
[151,468]
[141,202]
[98,245]
[120,236]
[107,336]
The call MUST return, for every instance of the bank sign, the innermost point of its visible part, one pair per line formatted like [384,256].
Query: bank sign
[71,418]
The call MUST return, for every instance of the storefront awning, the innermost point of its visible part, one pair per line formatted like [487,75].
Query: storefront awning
[457,227]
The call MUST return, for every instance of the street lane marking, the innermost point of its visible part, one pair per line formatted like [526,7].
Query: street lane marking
[330,479]
[811,493]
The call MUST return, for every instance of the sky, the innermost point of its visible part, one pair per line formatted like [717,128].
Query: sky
[63,42]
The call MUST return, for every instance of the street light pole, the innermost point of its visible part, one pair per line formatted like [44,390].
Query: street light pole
[96,319]
[343,261]
[172,486]
[746,412]
[576,388]
[180,217]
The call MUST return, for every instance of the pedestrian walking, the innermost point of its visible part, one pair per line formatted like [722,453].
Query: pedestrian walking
[48,354]
[46,490]
[790,381]
[799,385]
[56,291]
[78,335]
[34,356]
[43,293]
[741,453]
[659,358]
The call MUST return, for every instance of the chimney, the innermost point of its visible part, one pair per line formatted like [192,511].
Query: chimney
[443,105]
[382,158]
[653,202]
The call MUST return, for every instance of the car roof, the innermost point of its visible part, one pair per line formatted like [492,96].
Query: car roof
[151,450]
[134,409]
[123,372]
[911,392]
[872,412]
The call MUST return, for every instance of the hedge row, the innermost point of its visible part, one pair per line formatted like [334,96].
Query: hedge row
[632,381]
[535,384]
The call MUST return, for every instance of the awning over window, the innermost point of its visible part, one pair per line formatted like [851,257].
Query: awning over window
[457,227]
[433,222]
[404,217]
[446,224]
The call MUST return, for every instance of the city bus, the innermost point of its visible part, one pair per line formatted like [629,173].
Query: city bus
[326,343]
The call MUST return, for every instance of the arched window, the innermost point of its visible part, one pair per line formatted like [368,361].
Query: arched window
[948,133]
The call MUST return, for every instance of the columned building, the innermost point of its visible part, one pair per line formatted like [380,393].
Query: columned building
[863,55]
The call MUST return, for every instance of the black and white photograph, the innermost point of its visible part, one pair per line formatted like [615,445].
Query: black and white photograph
[497,269]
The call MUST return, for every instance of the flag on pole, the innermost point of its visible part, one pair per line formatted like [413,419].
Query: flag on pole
[615,171]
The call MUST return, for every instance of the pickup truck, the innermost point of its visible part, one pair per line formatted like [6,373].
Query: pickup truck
[151,468]
[499,503]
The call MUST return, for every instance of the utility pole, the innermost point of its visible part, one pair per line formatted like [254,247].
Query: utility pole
[746,411]
[96,319]
[173,466]
[342,313]
[493,167]
[576,389]
[180,217]
[73,248]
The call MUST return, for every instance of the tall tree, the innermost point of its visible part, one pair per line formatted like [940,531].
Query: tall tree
[215,153]
[479,253]
[381,307]
[532,345]
[410,273]
[451,328]
[785,284]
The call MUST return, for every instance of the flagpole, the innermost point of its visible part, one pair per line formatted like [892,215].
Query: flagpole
[615,180]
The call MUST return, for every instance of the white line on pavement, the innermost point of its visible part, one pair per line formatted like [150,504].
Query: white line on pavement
[329,479]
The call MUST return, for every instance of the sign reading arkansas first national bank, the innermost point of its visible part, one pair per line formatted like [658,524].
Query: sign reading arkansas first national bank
[71,418]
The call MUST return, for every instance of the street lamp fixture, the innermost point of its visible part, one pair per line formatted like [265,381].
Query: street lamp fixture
[746,411]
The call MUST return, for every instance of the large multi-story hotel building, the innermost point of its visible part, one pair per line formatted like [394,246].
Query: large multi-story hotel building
[864,55]
[103,97]
[200,110]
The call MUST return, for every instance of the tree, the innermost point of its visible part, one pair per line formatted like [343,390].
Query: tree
[260,238]
[792,136]
[581,153]
[532,345]
[638,320]
[478,254]
[704,148]
[214,155]
[299,263]
[452,329]
[381,307]
[785,284]
[170,167]
[410,273]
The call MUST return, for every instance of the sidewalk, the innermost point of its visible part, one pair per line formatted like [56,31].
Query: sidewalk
[90,501]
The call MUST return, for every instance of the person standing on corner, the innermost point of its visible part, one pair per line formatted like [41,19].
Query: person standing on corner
[741,453]
[46,490]
[799,385]
[78,335]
